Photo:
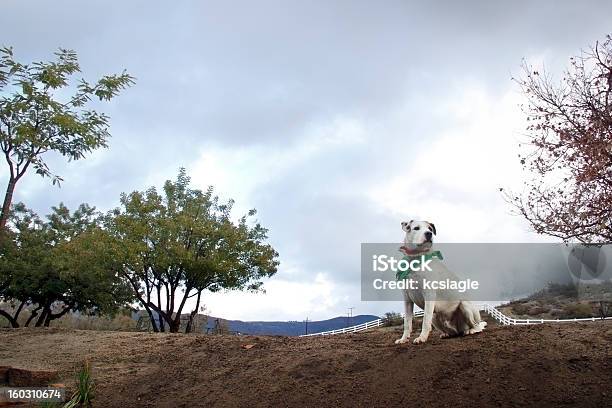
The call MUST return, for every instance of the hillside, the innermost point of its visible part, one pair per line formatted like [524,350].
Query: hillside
[291,328]
[564,302]
[208,324]
[507,366]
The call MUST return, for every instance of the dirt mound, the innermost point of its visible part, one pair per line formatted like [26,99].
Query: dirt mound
[561,365]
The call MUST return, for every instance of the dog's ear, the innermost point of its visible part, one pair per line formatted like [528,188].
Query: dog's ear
[433,227]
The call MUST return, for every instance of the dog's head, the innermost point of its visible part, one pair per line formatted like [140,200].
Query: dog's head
[419,234]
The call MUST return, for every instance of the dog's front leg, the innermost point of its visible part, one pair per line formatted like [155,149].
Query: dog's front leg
[427,319]
[408,305]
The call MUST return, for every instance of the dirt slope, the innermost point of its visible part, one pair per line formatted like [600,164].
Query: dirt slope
[569,365]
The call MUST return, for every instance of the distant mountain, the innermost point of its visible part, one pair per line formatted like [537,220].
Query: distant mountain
[291,328]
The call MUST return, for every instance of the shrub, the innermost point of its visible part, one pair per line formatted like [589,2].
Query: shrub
[577,310]
[537,310]
[119,322]
[520,308]
[558,289]
[556,312]
[392,319]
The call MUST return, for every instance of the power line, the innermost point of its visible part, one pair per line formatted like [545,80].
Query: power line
[349,316]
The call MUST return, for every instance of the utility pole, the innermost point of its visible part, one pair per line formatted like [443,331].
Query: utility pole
[350,315]
[306,321]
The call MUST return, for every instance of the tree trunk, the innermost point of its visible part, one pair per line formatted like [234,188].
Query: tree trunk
[53,316]
[163,317]
[43,316]
[146,303]
[189,327]
[162,326]
[19,309]
[148,309]
[6,206]
[13,320]
[192,315]
[175,324]
[32,316]
[10,318]
[152,318]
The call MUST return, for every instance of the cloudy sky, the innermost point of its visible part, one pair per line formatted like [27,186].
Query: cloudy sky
[334,119]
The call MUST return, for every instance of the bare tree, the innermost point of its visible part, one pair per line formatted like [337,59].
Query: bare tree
[569,193]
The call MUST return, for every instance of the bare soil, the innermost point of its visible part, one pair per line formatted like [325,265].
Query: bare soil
[540,366]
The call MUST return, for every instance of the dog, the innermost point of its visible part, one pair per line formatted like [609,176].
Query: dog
[445,310]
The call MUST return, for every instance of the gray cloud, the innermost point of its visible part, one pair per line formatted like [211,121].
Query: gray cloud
[267,75]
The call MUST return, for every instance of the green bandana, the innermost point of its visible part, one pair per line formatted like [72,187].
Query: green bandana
[400,275]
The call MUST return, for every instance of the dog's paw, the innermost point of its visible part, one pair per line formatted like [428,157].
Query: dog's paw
[444,336]
[420,340]
[402,340]
[475,330]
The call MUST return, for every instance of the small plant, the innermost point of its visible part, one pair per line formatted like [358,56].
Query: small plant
[82,396]
[84,393]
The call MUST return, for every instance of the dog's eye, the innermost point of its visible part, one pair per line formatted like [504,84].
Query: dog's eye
[417,228]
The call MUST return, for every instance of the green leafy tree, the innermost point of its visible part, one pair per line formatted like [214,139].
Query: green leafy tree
[36,119]
[23,263]
[58,265]
[174,246]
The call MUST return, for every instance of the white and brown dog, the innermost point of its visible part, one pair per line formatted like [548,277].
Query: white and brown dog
[444,309]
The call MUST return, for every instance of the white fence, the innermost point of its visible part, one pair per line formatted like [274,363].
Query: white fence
[357,328]
[496,314]
[506,320]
